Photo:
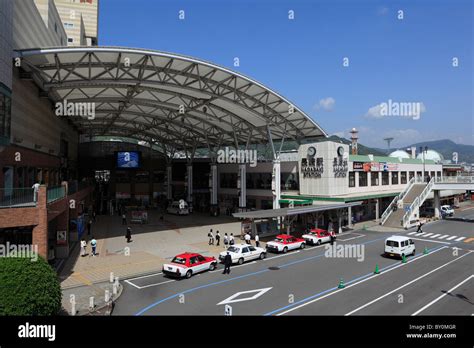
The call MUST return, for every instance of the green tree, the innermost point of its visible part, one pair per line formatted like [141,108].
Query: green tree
[28,287]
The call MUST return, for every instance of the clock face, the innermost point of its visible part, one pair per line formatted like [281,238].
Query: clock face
[340,151]
[311,151]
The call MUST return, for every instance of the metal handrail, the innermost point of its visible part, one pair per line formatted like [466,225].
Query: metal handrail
[55,193]
[17,197]
[395,200]
[418,201]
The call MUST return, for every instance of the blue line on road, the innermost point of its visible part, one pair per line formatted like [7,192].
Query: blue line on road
[335,288]
[232,279]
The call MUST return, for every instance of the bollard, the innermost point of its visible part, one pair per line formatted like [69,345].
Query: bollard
[377,271]
[341,284]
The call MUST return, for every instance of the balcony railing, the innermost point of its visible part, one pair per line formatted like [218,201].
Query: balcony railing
[17,197]
[55,193]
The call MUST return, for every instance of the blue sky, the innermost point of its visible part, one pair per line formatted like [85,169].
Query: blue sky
[407,60]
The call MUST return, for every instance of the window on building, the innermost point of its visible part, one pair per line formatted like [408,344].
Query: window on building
[403,177]
[362,178]
[438,174]
[411,175]
[70,39]
[374,179]
[419,174]
[432,174]
[68,25]
[394,178]
[352,179]
[385,180]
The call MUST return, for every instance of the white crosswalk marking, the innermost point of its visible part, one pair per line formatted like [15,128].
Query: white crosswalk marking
[460,239]
[450,238]
[442,237]
[435,235]
[428,234]
[411,233]
[420,234]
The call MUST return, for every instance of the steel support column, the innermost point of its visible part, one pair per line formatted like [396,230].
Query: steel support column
[437,203]
[169,179]
[242,186]
[213,184]
[276,179]
[377,209]
[189,184]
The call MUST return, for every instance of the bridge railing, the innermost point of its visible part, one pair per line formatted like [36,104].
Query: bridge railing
[418,202]
[395,200]
[455,179]
[17,197]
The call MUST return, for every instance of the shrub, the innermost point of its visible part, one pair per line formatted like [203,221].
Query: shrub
[28,287]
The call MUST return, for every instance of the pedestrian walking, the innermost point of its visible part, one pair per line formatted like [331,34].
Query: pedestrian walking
[89,227]
[257,240]
[226,240]
[211,237]
[93,246]
[231,239]
[333,237]
[128,235]
[227,263]
[83,247]
[124,219]
[419,230]
[218,238]
[247,238]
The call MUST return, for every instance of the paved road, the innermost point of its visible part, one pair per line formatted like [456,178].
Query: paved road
[305,282]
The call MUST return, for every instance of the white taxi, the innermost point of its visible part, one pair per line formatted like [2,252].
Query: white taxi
[243,252]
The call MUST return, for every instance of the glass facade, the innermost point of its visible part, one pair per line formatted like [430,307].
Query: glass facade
[5,115]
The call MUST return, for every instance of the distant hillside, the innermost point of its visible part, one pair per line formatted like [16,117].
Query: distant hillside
[445,147]
[362,150]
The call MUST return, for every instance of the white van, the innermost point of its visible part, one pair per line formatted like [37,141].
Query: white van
[399,246]
[178,208]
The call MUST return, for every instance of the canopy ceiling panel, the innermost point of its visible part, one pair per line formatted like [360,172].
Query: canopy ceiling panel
[176,101]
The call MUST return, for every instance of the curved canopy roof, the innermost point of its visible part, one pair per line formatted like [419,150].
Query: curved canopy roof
[172,100]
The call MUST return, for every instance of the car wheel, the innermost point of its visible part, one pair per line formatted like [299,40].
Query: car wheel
[212,266]
[189,274]
[241,261]
[414,252]
[262,256]
[302,246]
[318,242]
[285,249]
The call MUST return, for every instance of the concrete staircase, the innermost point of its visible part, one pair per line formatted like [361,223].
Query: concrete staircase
[396,217]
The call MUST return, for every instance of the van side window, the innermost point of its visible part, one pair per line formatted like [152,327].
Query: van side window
[392,243]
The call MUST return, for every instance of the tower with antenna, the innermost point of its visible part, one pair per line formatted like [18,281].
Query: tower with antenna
[388,140]
[354,139]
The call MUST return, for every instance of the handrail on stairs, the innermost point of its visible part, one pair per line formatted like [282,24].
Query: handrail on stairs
[417,202]
[395,200]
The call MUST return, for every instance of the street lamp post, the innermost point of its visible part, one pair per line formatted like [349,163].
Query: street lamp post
[425,150]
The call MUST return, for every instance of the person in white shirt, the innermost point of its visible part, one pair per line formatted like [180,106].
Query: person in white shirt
[83,247]
[231,239]
[35,187]
[247,238]
[257,240]
[226,240]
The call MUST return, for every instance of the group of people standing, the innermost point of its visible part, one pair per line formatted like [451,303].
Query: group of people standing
[229,239]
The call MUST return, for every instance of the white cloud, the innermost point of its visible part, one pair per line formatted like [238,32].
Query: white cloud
[339,134]
[326,104]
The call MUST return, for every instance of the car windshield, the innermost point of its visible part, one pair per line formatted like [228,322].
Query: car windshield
[233,249]
[279,240]
[179,260]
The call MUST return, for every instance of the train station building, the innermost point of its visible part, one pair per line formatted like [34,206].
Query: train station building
[107,128]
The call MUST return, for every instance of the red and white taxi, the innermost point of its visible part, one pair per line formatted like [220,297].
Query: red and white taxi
[317,236]
[187,264]
[285,242]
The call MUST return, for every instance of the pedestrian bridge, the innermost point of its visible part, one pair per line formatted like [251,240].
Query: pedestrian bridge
[403,211]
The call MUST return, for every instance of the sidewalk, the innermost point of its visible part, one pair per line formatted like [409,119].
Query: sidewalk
[152,245]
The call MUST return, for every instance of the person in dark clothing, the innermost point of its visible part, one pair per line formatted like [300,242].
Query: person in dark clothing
[419,227]
[128,235]
[333,237]
[89,226]
[227,263]
[218,238]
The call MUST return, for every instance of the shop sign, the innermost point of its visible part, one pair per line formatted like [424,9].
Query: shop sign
[358,165]
[61,238]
